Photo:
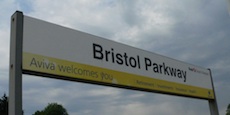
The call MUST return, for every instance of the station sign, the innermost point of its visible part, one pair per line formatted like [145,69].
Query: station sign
[55,51]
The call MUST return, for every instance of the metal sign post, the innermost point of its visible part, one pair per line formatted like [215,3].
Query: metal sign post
[212,102]
[15,83]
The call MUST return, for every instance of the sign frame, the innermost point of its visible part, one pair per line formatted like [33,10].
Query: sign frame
[15,67]
[15,85]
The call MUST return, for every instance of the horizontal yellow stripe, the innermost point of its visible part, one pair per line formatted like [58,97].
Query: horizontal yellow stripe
[48,65]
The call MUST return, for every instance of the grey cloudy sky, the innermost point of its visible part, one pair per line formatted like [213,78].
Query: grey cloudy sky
[196,32]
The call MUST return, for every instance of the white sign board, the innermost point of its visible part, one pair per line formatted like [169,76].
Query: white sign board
[56,51]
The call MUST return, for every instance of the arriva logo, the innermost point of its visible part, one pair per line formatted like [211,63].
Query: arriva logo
[197,71]
[192,69]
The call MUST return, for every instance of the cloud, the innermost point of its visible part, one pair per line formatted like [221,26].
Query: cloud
[6,10]
[192,31]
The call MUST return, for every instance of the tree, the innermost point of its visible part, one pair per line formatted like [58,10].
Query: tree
[228,110]
[52,109]
[38,113]
[4,105]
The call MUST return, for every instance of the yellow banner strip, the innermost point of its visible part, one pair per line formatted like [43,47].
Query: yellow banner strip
[49,65]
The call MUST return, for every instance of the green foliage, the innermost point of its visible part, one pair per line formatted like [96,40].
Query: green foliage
[38,113]
[228,110]
[4,105]
[52,109]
